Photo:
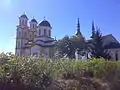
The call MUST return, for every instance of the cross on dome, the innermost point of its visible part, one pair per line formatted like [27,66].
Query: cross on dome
[44,18]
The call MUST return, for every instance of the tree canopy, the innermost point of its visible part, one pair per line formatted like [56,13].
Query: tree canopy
[96,46]
[68,45]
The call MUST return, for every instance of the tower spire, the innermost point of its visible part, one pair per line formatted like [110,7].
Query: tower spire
[78,28]
[93,29]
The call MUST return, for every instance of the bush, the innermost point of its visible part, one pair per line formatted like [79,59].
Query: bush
[30,73]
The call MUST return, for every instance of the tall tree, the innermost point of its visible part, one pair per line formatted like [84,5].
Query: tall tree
[78,42]
[96,46]
[64,46]
[68,45]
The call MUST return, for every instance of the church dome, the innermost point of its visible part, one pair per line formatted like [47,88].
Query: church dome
[24,16]
[34,20]
[44,23]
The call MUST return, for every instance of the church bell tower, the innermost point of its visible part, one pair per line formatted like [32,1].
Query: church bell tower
[21,35]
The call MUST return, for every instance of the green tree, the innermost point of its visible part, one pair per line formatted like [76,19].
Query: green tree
[96,46]
[64,46]
[68,45]
[78,42]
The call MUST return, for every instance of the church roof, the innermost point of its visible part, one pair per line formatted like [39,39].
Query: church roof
[46,45]
[44,23]
[27,46]
[112,45]
[24,16]
[46,41]
[42,43]
[34,20]
[110,36]
[106,36]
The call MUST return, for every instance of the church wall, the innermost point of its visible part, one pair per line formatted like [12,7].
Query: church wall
[18,43]
[52,52]
[119,54]
[24,42]
[38,34]
[42,51]
[18,52]
[112,53]
[46,52]
[35,49]
[27,51]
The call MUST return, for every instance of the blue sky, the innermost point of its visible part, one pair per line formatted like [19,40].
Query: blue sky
[62,14]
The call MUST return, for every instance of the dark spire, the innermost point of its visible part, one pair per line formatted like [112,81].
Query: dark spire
[78,28]
[93,29]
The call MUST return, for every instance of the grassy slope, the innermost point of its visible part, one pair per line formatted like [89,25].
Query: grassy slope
[24,73]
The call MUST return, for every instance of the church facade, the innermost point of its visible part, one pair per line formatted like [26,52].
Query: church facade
[35,38]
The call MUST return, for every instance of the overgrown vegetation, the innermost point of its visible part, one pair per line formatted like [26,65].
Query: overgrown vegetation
[31,73]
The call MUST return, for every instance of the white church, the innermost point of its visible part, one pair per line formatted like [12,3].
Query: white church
[34,38]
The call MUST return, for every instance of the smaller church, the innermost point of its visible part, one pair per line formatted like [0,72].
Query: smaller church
[34,38]
[110,43]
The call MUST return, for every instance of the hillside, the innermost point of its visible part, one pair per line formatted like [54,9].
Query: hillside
[30,73]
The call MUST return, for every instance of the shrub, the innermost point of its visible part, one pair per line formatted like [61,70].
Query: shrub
[30,73]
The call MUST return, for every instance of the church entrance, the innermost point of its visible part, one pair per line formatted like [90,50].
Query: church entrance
[116,56]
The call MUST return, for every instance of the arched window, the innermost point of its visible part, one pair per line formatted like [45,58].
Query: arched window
[49,33]
[39,31]
[19,33]
[30,36]
[25,34]
[44,32]
[35,34]
[46,52]
[25,22]
[33,26]
[22,22]
[18,44]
